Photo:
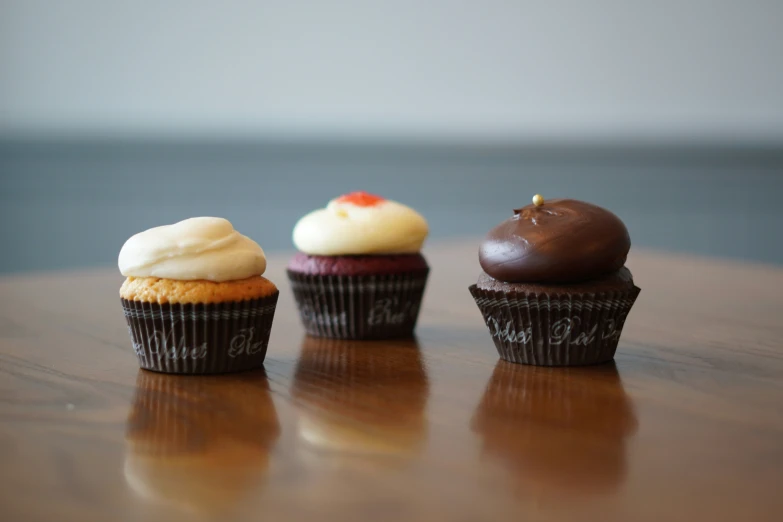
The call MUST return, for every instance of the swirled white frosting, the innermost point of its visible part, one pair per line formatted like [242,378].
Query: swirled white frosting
[344,228]
[196,248]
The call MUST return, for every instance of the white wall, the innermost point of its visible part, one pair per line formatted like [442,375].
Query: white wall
[579,69]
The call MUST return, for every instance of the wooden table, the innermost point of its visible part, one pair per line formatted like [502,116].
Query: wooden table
[686,425]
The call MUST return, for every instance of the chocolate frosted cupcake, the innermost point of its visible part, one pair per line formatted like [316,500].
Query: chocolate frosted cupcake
[194,298]
[359,273]
[554,291]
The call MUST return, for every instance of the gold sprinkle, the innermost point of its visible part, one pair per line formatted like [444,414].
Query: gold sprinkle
[538,200]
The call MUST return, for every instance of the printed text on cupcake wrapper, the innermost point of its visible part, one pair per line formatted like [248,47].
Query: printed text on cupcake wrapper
[387,311]
[561,331]
[165,345]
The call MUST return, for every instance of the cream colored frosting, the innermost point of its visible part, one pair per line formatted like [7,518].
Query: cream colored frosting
[343,228]
[196,248]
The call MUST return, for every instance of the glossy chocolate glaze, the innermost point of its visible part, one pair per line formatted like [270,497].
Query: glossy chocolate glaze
[561,241]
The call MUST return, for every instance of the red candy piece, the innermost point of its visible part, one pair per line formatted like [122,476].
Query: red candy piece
[361,199]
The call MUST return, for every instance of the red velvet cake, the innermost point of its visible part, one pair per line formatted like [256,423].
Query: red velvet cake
[359,273]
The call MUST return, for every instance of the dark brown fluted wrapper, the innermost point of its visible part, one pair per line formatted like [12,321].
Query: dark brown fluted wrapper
[555,329]
[201,338]
[359,307]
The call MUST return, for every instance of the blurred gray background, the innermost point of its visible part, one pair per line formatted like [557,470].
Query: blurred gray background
[118,116]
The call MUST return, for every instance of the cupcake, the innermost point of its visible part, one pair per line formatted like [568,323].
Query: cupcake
[359,273]
[201,444]
[194,298]
[555,291]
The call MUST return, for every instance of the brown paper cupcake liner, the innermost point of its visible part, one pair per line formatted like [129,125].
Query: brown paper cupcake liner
[359,307]
[200,338]
[555,329]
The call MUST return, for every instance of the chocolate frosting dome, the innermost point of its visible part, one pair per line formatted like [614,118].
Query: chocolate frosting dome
[560,241]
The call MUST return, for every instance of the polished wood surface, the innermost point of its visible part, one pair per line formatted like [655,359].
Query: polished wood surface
[686,424]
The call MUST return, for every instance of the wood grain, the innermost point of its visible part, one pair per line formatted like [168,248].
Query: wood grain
[687,424]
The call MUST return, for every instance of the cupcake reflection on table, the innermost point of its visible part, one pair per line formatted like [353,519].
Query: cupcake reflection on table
[360,400]
[200,444]
[557,431]
[359,273]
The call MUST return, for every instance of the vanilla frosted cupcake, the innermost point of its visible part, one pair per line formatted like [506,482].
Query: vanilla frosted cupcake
[194,297]
[359,273]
